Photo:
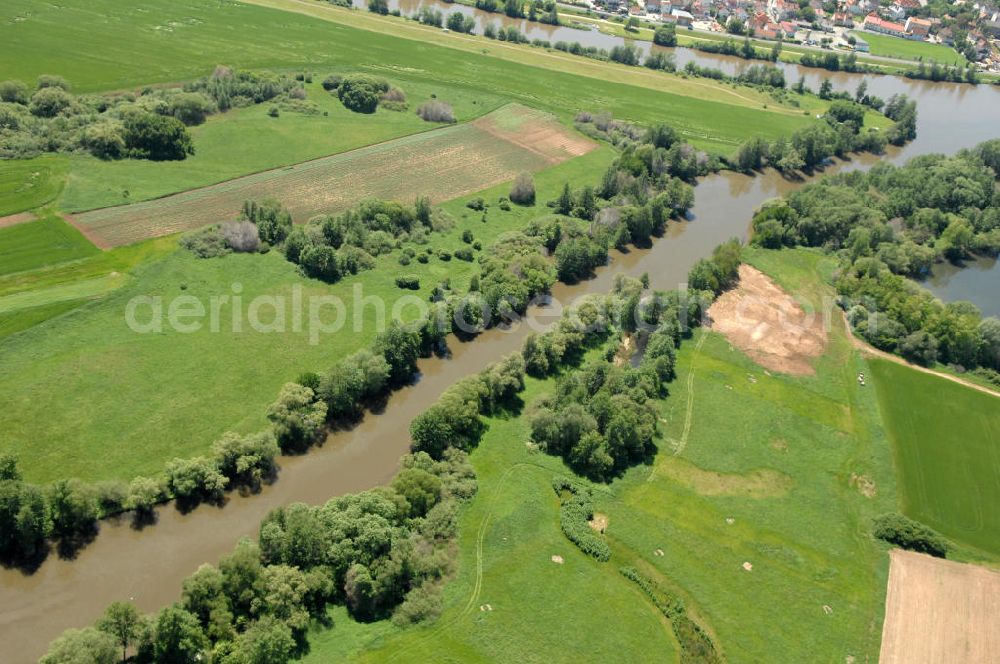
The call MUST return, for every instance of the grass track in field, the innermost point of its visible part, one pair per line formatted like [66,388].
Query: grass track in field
[445,163]
[39,243]
[26,184]
[945,439]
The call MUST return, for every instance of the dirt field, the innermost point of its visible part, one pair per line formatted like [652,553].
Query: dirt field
[768,325]
[20,218]
[443,163]
[940,611]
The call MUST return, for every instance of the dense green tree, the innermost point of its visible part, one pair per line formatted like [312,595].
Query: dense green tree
[82,646]
[156,137]
[123,622]
[297,417]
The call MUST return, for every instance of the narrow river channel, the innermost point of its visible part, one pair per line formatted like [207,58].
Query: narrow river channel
[147,566]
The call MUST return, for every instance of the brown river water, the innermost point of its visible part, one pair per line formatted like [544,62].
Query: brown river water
[147,566]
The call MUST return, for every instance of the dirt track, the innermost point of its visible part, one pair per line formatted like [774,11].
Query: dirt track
[13,219]
[940,611]
[768,325]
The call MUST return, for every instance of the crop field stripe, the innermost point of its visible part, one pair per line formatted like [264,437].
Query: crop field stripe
[944,436]
[445,163]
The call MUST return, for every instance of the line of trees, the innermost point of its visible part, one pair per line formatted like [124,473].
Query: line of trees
[894,223]
[842,133]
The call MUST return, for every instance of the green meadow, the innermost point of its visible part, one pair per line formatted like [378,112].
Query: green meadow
[944,437]
[39,243]
[163,42]
[905,49]
[185,389]
[27,184]
[767,474]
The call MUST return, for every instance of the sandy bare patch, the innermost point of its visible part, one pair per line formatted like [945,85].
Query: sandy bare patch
[558,560]
[768,325]
[864,484]
[599,522]
[14,219]
[940,611]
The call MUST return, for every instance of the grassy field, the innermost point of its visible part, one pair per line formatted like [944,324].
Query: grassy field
[27,184]
[446,163]
[163,41]
[45,241]
[768,475]
[186,389]
[248,140]
[905,49]
[945,440]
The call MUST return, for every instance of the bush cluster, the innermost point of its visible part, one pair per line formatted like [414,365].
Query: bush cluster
[149,125]
[909,534]
[893,223]
[381,553]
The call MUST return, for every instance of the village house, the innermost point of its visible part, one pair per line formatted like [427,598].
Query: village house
[874,23]
[917,28]
[843,20]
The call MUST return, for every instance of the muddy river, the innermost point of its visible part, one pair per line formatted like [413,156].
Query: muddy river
[147,566]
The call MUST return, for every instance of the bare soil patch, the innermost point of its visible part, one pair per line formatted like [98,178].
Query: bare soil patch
[768,325]
[599,522]
[761,483]
[940,611]
[442,164]
[14,219]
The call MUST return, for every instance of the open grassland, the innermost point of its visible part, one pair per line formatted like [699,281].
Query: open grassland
[905,49]
[945,440]
[443,164]
[39,243]
[781,472]
[27,184]
[161,41]
[62,382]
[248,140]
[940,611]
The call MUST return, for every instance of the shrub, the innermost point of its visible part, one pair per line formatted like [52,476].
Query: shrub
[573,517]
[408,281]
[273,221]
[143,494]
[444,255]
[436,111]
[191,108]
[332,82]
[52,81]
[297,416]
[404,259]
[422,258]
[909,534]
[464,254]
[394,100]
[523,190]
[195,479]
[206,243]
[361,92]
[241,236]
[50,102]
[246,460]
[104,140]
[477,204]
[157,137]
[467,236]
[14,92]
